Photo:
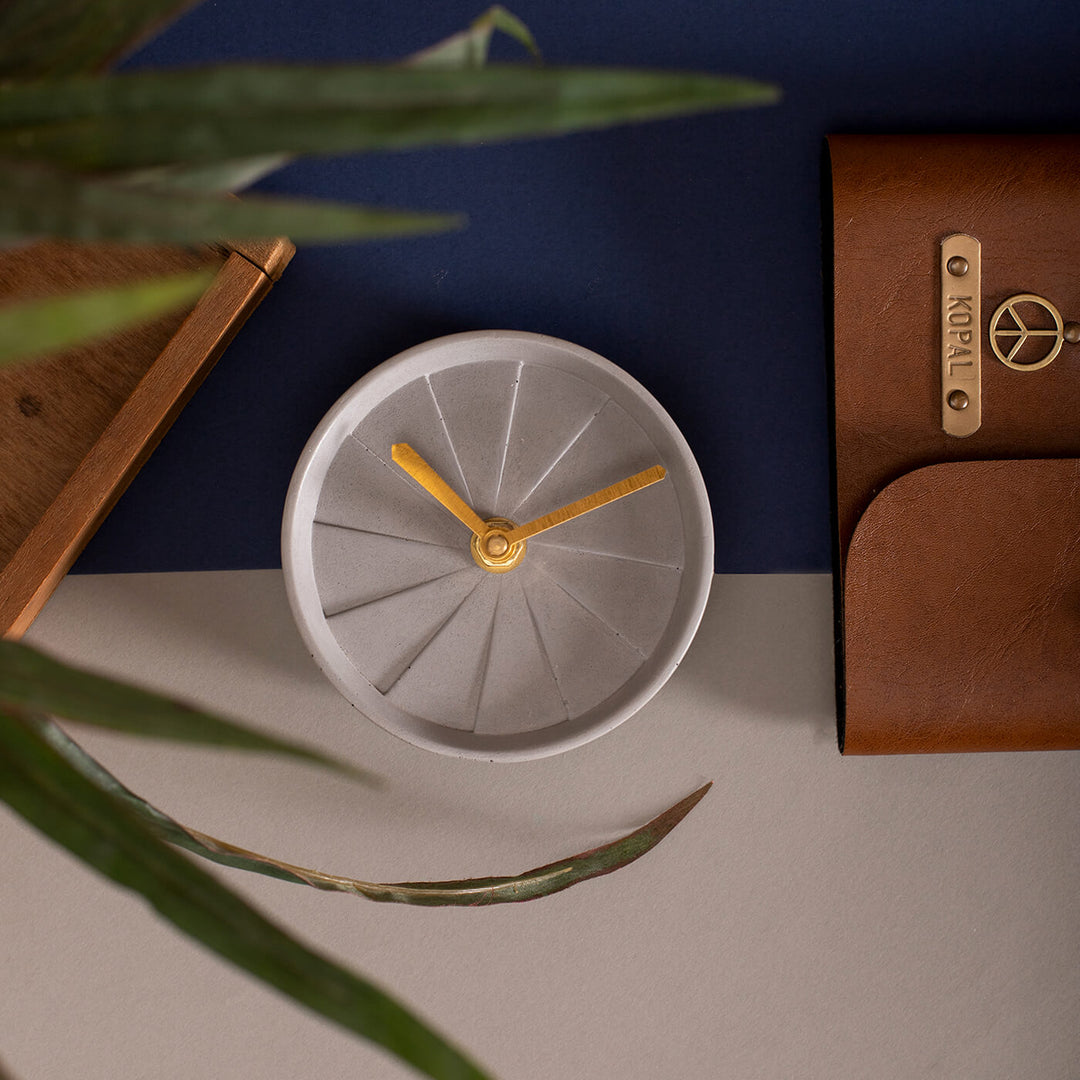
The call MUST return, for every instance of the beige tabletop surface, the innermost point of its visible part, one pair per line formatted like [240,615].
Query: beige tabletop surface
[814,917]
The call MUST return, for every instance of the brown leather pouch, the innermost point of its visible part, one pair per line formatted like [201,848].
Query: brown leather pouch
[957,554]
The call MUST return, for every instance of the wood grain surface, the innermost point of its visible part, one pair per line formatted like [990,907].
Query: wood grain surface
[75,428]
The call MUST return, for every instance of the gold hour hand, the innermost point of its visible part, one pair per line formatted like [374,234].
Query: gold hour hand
[405,456]
[589,502]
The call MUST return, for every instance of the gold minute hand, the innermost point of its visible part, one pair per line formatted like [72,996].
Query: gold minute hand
[589,502]
[405,456]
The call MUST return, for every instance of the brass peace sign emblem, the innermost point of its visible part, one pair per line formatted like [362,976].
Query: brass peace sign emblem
[1010,331]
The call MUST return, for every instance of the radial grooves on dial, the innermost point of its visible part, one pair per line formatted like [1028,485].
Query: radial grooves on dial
[365,494]
[449,440]
[519,691]
[387,686]
[370,532]
[558,458]
[382,636]
[578,549]
[334,610]
[545,654]
[589,661]
[474,401]
[612,630]
[635,598]
[443,681]
[364,564]
[485,664]
[509,428]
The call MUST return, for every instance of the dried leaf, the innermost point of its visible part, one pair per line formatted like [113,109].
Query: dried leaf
[469,48]
[469,892]
[33,328]
[32,682]
[74,812]
[506,21]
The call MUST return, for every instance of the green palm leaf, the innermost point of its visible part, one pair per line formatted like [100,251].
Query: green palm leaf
[219,114]
[34,328]
[64,37]
[40,200]
[32,682]
[469,48]
[44,789]
[209,177]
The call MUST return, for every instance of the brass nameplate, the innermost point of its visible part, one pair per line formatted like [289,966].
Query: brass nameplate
[961,321]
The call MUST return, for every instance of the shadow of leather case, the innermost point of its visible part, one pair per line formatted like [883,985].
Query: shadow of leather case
[957,559]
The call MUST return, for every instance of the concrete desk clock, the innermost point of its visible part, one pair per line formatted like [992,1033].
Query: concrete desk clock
[497,545]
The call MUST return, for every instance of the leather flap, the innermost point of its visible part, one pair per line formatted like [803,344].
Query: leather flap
[961,603]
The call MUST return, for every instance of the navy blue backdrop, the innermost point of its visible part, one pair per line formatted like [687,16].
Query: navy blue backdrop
[689,252]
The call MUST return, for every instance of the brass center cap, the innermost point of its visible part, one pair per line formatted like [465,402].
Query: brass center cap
[493,551]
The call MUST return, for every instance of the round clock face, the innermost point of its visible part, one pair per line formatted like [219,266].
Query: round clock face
[450,572]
